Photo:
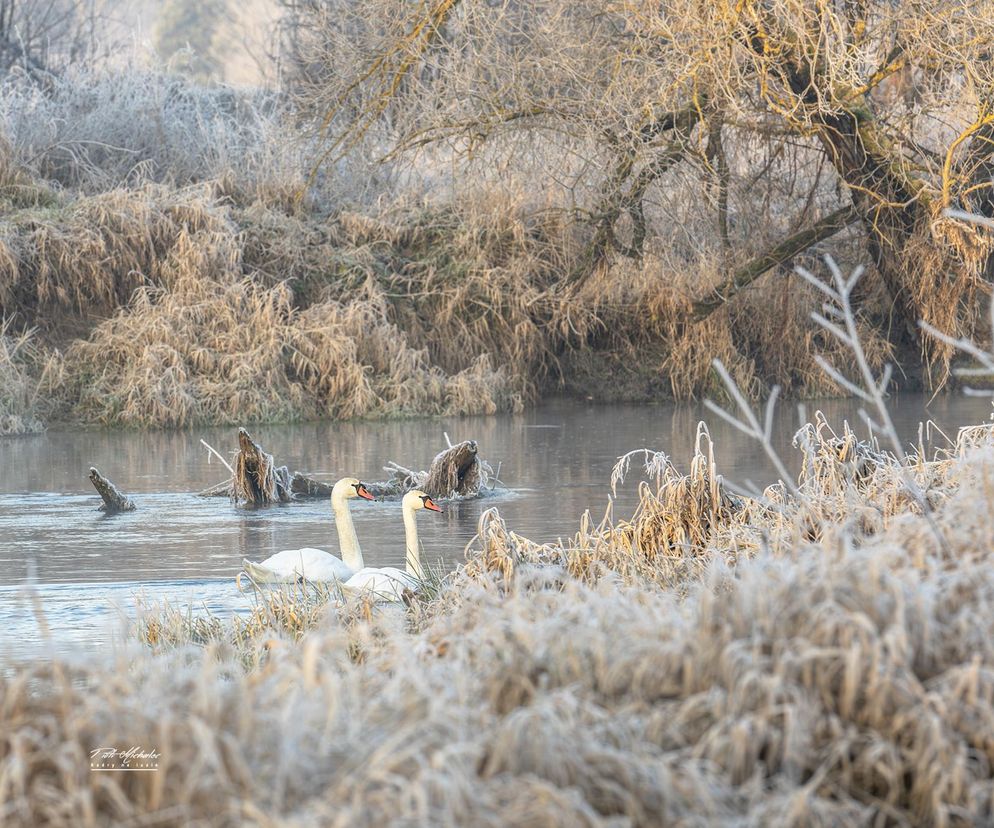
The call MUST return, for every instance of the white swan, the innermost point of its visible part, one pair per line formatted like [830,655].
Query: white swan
[313,564]
[388,583]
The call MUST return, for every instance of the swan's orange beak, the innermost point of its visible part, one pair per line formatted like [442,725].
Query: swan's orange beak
[363,492]
[431,504]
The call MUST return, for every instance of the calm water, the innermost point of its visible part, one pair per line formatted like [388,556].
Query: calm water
[555,462]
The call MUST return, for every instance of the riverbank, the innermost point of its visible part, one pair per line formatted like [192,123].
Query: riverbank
[819,656]
[157,307]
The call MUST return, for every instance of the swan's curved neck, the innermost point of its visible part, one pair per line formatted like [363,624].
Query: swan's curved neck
[411,536]
[347,538]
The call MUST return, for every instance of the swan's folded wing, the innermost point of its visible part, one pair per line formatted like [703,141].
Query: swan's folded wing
[262,574]
[291,564]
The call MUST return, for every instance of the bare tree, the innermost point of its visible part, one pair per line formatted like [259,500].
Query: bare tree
[779,123]
[44,36]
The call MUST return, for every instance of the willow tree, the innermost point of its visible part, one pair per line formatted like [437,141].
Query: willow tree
[781,123]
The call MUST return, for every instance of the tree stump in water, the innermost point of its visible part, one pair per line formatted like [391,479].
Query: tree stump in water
[454,471]
[257,480]
[114,500]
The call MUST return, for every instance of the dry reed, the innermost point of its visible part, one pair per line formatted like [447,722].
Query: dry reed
[174,306]
[441,310]
[20,404]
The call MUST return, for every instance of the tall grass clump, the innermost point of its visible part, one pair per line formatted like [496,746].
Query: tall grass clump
[210,351]
[237,315]
[20,396]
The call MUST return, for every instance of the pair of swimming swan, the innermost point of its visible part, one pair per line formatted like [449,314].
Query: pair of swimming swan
[386,583]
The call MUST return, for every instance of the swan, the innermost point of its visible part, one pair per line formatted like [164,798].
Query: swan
[313,564]
[388,583]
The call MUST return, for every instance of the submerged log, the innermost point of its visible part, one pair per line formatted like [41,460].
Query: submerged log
[303,486]
[114,499]
[257,479]
[457,471]
[218,489]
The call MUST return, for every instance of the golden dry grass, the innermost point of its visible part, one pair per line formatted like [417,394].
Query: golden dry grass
[174,307]
[20,394]
[841,680]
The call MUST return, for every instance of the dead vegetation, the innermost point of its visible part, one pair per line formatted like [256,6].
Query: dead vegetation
[714,659]
[425,222]
[457,471]
[221,315]
[256,480]
[20,403]
[729,137]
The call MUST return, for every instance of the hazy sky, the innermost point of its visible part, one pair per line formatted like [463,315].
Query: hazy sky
[242,42]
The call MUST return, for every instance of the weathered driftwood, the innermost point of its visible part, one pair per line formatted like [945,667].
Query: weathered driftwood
[303,486]
[257,479]
[114,499]
[458,470]
[222,489]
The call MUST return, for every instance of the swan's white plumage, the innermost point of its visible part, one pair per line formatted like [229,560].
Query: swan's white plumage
[291,565]
[386,583]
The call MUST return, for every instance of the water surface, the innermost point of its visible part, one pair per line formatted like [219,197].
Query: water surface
[555,461]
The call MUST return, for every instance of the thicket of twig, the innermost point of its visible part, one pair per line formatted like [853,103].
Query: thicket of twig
[738,133]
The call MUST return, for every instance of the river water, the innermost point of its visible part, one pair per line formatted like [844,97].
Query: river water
[69,568]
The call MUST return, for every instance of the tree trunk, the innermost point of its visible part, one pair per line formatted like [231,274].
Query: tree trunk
[303,486]
[454,471]
[783,252]
[892,213]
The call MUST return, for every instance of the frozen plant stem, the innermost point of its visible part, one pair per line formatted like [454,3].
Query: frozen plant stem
[749,425]
[839,321]
[984,359]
